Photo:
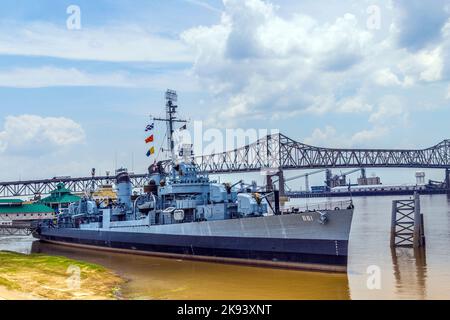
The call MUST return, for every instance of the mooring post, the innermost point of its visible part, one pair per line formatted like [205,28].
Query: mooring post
[447,180]
[277,202]
[393,223]
[419,230]
[281,187]
[269,183]
[416,220]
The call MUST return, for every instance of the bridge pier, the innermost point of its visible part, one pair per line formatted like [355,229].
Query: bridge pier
[328,179]
[277,192]
[269,183]
[281,186]
[447,179]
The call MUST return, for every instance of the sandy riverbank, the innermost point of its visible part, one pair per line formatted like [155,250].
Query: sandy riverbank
[6,294]
[33,277]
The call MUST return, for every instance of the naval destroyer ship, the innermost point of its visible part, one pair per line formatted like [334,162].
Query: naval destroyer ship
[184,214]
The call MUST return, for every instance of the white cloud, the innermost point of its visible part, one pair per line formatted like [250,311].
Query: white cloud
[388,114]
[320,104]
[390,109]
[365,136]
[331,138]
[386,78]
[259,64]
[254,60]
[49,76]
[354,105]
[426,65]
[204,5]
[112,43]
[327,137]
[31,133]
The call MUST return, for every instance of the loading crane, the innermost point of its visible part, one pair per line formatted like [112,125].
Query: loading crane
[332,181]
[306,176]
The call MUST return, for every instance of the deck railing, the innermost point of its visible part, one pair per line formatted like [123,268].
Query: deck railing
[319,206]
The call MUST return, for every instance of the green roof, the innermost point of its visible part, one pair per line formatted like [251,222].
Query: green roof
[15,201]
[68,198]
[26,208]
[61,195]
[61,188]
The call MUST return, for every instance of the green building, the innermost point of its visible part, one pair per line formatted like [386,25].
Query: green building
[60,198]
[14,210]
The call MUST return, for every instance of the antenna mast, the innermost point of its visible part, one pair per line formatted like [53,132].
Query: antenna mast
[171,119]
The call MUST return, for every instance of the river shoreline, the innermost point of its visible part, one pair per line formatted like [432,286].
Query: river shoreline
[6,294]
[41,277]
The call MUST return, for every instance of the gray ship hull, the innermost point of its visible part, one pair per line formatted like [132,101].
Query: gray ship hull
[289,241]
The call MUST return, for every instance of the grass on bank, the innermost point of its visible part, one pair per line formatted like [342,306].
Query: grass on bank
[48,277]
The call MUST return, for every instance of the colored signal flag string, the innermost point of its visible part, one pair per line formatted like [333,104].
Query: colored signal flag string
[149,139]
[151,151]
[150,127]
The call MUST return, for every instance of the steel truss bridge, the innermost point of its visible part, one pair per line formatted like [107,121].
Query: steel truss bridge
[281,152]
[77,185]
[272,153]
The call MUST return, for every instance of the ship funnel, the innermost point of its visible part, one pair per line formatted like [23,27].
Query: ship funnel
[124,187]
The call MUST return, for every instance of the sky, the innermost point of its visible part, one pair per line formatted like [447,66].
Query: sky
[80,79]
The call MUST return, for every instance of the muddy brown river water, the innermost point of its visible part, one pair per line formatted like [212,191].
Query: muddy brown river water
[399,274]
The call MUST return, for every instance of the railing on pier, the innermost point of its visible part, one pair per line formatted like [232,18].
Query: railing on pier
[11,230]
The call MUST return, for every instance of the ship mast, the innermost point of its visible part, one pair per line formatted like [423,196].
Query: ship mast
[170,120]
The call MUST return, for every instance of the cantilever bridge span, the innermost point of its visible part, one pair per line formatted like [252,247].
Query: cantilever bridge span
[279,151]
[271,152]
